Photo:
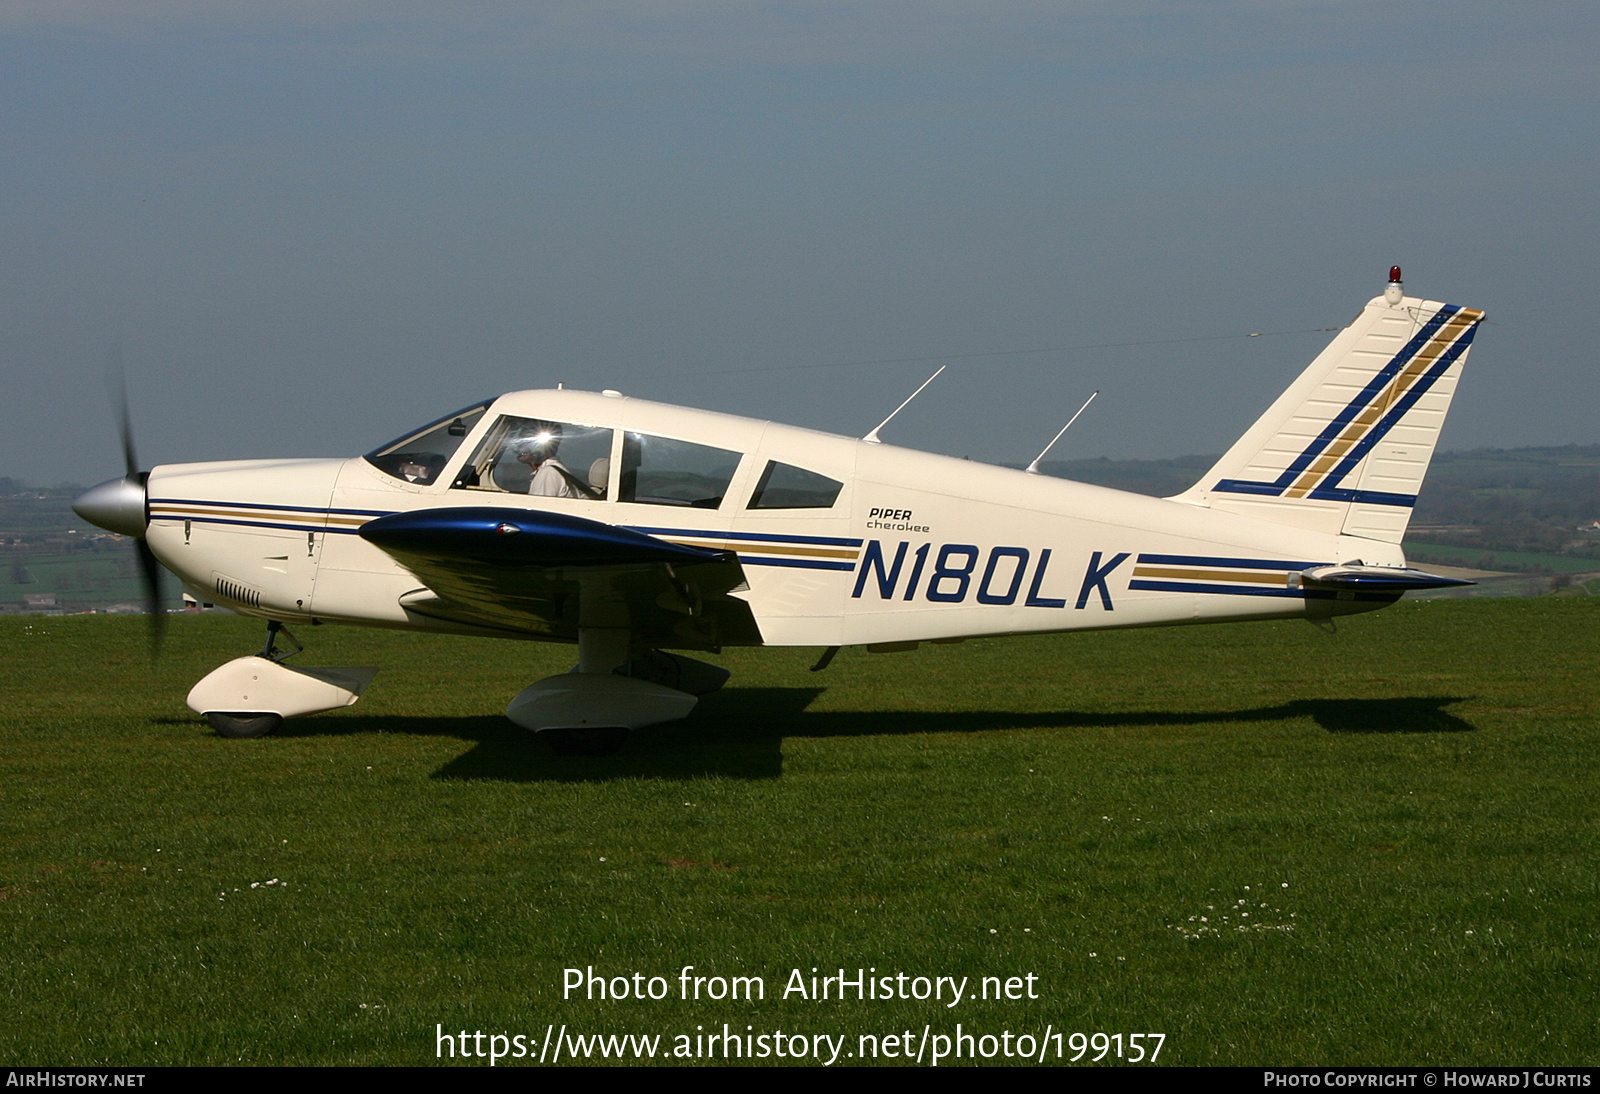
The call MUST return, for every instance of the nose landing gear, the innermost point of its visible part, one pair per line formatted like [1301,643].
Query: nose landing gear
[251,696]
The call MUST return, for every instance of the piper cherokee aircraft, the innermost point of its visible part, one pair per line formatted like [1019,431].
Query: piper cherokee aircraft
[633,529]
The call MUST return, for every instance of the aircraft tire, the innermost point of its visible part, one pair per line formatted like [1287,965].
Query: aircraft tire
[585,740]
[243,726]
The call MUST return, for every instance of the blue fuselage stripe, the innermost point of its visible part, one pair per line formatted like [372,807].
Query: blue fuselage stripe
[319,528]
[1201,587]
[274,508]
[1236,563]
[700,533]
[796,563]
[240,522]
[1273,591]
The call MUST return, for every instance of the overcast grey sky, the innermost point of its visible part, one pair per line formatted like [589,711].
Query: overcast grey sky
[312,225]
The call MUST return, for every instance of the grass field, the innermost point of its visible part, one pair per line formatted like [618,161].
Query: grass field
[1406,810]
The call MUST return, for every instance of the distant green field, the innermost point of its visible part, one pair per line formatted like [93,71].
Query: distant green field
[78,578]
[1417,551]
[1269,844]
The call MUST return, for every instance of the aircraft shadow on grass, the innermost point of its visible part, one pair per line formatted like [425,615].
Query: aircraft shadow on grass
[739,732]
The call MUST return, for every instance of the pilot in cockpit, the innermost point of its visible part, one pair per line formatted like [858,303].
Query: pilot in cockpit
[550,479]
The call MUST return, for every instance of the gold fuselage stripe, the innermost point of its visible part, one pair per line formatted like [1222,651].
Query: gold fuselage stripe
[1255,578]
[747,548]
[175,512]
[317,520]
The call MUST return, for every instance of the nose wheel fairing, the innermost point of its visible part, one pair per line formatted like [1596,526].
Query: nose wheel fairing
[250,696]
[255,685]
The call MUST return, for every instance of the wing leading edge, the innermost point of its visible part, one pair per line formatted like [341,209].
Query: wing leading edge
[548,574]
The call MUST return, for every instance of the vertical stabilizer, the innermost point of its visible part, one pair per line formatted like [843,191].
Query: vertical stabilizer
[1345,448]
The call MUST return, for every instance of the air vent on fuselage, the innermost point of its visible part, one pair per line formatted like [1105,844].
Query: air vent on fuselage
[229,589]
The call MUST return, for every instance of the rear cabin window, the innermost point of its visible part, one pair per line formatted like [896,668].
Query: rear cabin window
[784,486]
[663,471]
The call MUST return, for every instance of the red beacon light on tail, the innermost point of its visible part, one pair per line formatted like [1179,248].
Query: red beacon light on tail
[1393,293]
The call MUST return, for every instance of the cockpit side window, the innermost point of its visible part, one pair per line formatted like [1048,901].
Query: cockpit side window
[542,458]
[418,457]
[663,471]
[784,486]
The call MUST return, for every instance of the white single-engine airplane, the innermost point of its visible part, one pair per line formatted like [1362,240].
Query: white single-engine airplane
[632,528]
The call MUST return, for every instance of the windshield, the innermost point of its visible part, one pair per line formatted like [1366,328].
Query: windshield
[420,455]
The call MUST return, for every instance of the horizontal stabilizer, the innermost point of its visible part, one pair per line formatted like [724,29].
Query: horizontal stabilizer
[1377,579]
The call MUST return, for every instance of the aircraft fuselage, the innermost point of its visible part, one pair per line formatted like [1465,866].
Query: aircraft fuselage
[912,546]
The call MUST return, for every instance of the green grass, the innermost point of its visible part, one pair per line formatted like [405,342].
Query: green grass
[1413,800]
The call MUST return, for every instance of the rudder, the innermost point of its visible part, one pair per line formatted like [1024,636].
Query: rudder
[1345,448]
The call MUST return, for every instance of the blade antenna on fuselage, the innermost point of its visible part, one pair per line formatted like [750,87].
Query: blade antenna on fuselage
[1033,468]
[873,438]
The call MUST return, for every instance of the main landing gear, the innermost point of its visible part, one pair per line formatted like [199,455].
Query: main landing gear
[610,692]
[251,696]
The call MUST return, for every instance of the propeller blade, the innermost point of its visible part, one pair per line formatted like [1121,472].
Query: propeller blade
[150,574]
[149,567]
[117,379]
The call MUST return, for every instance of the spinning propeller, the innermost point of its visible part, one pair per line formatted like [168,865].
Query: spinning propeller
[123,505]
